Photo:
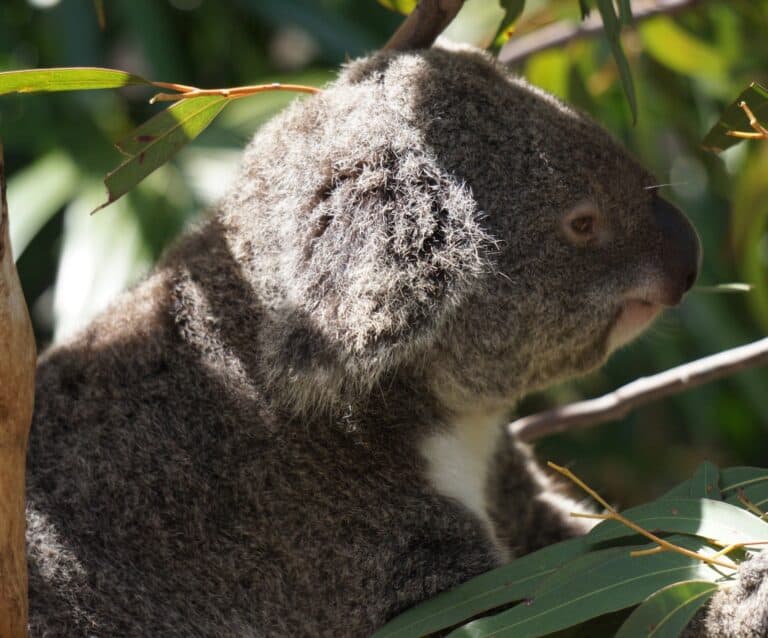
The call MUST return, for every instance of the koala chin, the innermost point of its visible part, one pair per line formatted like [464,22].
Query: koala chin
[291,427]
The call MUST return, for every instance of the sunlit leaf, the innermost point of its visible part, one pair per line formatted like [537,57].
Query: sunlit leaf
[401,6]
[680,50]
[512,11]
[734,288]
[666,613]
[65,79]
[734,119]
[608,581]
[504,585]
[704,517]
[157,140]
[613,31]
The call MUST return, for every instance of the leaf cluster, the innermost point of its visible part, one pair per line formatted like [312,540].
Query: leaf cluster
[714,517]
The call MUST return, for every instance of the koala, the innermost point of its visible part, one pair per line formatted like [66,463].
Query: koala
[292,427]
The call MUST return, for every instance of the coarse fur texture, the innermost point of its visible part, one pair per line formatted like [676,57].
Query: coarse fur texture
[289,428]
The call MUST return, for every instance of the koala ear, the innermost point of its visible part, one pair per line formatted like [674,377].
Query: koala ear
[390,245]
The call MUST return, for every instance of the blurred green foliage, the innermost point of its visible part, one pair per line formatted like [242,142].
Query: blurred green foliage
[686,69]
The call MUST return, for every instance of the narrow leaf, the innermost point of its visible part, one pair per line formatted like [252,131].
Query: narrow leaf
[401,6]
[613,32]
[616,582]
[585,8]
[734,119]
[160,138]
[703,517]
[625,12]
[513,9]
[65,79]
[666,613]
[501,586]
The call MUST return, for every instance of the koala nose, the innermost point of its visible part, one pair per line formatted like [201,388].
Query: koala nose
[680,256]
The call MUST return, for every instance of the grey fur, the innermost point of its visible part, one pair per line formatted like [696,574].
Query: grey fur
[235,447]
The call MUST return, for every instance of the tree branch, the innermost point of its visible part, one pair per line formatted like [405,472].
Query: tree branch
[560,33]
[421,28]
[621,402]
[17,386]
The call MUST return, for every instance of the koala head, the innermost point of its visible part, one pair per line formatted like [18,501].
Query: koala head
[429,213]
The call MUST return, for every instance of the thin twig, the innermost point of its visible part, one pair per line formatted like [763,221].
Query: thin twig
[560,33]
[614,515]
[619,403]
[421,28]
[188,92]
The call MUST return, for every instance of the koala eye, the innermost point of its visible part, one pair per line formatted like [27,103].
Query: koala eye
[581,224]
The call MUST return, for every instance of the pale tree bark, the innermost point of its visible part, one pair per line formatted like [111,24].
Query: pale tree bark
[17,388]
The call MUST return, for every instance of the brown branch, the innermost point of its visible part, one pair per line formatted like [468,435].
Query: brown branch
[560,33]
[17,385]
[421,28]
[621,402]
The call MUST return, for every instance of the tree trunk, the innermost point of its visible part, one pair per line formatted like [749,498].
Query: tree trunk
[17,376]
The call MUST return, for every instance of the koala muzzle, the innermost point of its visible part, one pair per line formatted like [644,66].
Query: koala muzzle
[680,253]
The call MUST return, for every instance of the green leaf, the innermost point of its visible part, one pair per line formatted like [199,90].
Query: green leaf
[666,613]
[680,50]
[613,32]
[625,12]
[733,288]
[401,6]
[585,8]
[608,580]
[703,517]
[160,138]
[751,481]
[513,9]
[65,79]
[515,581]
[734,119]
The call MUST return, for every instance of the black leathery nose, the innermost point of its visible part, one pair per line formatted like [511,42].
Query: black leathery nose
[680,248]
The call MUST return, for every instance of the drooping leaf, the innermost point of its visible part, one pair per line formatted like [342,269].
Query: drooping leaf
[65,79]
[507,584]
[613,31]
[734,119]
[513,9]
[401,6]
[667,612]
[625,12]
[703,517]
[157,140]
[585,7]
[608,581]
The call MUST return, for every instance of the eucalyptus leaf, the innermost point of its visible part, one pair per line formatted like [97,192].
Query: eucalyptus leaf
[609,581]
[666,613]
[704,484]
[510,583]
[702,517]
[157,140]
[734,118]
[613,31]
[65,79]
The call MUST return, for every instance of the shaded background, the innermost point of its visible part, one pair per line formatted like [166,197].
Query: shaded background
[686,69]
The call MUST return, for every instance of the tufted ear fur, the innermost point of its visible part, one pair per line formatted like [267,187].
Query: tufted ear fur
[367,240]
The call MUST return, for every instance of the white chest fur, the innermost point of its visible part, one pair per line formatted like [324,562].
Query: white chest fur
[458,462]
